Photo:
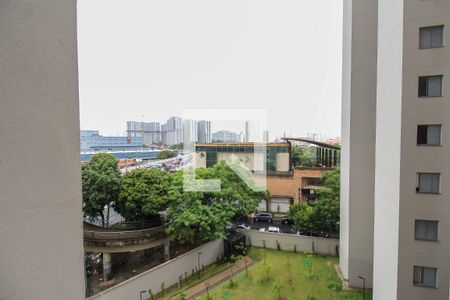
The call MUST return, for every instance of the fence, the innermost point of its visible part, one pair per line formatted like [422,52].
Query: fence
[291,242]
[167,273]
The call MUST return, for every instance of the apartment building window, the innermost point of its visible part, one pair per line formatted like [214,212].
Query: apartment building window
[428,183]
[425,276]
[426,230]
[432,37]
[429,135]
[430,86]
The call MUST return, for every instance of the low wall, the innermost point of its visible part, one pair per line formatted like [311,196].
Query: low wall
[167,272]
[287,242]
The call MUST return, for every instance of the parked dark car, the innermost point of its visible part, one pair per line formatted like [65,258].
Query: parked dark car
[286,220]
[264,217]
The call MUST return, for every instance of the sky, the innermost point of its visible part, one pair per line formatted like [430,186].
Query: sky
[147,60]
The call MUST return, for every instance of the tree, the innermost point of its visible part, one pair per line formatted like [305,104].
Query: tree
[301,214]
[332,185]
[143,194]
[204,215]
[165,154]
[303,156]
[325,215]
[322,214]
[177,146]
[100,185]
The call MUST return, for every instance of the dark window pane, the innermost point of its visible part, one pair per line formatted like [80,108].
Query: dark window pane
[422,86]
[422,135]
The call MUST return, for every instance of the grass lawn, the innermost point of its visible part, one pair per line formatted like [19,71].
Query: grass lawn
[192,280]
[290,272]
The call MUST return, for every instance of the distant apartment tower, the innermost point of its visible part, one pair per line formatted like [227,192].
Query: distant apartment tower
[395,166]
[172,131]
[190,135]
[204,131]
[265,135]
[150,132]
[225,136]
[255,132]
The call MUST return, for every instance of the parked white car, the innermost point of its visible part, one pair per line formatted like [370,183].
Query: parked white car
[263,229]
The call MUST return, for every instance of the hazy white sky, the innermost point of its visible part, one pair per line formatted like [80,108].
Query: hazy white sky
[149,60]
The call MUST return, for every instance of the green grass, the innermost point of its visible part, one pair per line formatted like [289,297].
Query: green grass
[192,280]
[291,271]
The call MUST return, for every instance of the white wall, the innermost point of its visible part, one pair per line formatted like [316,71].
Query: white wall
[288,241]
[41,242]
[167,272]
[358,140]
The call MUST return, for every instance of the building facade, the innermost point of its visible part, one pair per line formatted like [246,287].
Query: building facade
[359,76]
[150,132]
[270,157]
[190,135]
[406,163]
[225,136]
[204,132]
[172,131]
[91,140]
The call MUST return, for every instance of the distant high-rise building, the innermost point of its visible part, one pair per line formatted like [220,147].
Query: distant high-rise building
[190,135]
[164,134]
[265,135]
[225,136]
[204,131]
[172,131]
[150,132]
[255,132]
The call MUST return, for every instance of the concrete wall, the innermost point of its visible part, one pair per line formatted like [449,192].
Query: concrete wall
[167,272]
[359,81]
[287,241]
[41,241]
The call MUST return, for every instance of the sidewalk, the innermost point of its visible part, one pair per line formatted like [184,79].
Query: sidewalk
[215,280]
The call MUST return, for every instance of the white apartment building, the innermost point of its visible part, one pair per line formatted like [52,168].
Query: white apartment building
[150,132]
[395,201]
[172,131]
[204,131]
[190,135]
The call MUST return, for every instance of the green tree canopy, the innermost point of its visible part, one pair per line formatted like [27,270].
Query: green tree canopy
[204,215]
[100,185]
[332,185]
[166,154]
[143,194]
[322,214]
[303,156]
[300,214]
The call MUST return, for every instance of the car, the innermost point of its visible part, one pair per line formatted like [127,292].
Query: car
[274,229]
[286,220]
[264,217]
[262,229]
[243,226]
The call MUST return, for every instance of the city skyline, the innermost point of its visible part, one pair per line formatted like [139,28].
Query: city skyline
[223,65]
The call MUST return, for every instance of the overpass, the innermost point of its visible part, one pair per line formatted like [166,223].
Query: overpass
[112,240]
